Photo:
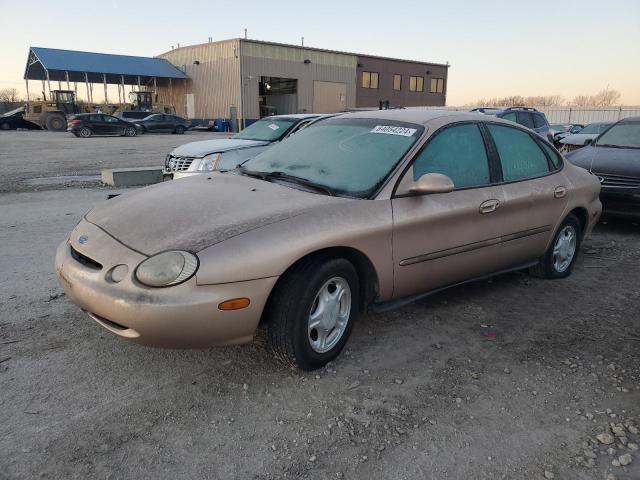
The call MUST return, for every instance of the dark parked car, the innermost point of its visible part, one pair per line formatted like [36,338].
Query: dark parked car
[563,130]
[163,122]
[528,117]
[614,157]
[132,115]
[13,119]
[86,124]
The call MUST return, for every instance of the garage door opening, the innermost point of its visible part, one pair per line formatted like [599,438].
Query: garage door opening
[278,96]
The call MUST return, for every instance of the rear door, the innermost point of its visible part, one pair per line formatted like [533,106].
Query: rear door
[533,191]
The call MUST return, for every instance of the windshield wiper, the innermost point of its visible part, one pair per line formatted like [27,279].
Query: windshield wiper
[301,181]
[268,176]
[608,145]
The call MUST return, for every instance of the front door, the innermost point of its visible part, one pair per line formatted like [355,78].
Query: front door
[441,239]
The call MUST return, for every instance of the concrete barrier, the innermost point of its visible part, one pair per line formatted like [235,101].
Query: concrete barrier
[128,177]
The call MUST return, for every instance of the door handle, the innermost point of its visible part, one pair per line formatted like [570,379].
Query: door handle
[489,206]
[560,191]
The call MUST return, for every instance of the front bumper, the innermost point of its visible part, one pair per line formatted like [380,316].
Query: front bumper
[621,202]
[182,316]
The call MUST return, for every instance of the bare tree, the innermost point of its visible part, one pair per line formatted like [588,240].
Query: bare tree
[9,95]
[604,98]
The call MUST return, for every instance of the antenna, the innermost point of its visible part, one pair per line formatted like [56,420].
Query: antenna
[302,38]
[245,33]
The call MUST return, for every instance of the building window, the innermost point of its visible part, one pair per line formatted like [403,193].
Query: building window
[369,80]
[437,85]
[397,82]
[416,84]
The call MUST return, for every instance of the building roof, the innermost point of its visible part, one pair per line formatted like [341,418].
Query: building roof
[312,49]
[59,63]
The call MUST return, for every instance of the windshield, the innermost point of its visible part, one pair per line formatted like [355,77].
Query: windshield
[352,156]
[595,128]
[622,135]
[559,128]
[267,130]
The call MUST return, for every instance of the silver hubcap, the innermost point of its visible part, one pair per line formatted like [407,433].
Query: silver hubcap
[84,132]
[329,315]
[565,249]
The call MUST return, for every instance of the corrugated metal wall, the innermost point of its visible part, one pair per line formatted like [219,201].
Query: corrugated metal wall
[214,82]
[270,60]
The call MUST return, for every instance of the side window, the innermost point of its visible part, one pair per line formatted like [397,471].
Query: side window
[457,152]
[538,120]
[509,116]
[553,155]
[299,127]
[95,118]
[110,119]
[524,118]
[520,155]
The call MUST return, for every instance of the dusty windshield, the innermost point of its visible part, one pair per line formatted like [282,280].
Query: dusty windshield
[595,128]
[267,130]
[623,135]
[349,156]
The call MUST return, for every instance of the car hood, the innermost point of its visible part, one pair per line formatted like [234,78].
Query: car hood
[578,138]
[197,212]
[616,161]
[206,147]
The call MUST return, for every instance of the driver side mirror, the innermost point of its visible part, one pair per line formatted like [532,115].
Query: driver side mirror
[589,141]
[431,183]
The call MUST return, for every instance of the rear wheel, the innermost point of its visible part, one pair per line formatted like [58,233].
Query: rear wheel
[311,313]
[559,259]
[130,132]
[56,122]
[179,129]
[84,132]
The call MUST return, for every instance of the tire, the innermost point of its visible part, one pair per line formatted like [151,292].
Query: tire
[297,297]
[84,132]
[5,126]
[559,259]
[179,130]
[130,132]
[56,122]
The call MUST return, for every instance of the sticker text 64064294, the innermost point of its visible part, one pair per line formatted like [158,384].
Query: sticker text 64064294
[391,130]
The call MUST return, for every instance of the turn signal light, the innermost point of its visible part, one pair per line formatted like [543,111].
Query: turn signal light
[234,304]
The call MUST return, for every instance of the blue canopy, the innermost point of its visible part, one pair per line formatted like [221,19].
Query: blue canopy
[97,66]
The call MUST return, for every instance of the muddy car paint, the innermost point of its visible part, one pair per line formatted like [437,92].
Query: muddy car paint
[247,233]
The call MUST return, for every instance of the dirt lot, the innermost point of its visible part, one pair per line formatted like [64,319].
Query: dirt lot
[30,159]
[514,378]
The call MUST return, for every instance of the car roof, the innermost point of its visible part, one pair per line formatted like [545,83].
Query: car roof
[415,115]
[292,116]
[630,119]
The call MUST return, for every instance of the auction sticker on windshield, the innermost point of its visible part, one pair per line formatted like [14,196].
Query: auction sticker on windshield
[391,130]
[274,127]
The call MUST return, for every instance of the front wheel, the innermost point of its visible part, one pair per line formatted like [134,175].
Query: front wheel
[559,259]
[5,126]
[311,313]
[130,132]
[84,132]
[179,129]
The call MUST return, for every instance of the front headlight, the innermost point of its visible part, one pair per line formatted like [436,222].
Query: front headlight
[167,269]
[210,163]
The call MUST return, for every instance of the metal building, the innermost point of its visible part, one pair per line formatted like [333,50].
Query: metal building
[246,79]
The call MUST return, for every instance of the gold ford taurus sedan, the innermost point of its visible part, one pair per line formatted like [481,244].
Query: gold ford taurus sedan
[363,211]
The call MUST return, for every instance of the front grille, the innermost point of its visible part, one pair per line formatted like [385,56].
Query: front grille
[84,260]
[618,181]
[177,164]
[566,148]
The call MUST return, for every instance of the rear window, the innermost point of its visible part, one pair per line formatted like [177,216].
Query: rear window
[524,118]
[520,155]
[538,120]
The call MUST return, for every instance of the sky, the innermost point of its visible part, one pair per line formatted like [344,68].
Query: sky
[496,48]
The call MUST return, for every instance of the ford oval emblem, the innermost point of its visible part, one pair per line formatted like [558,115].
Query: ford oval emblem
[83,239]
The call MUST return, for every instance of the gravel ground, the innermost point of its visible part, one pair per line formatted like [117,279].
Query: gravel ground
[30,159]
[511,378]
